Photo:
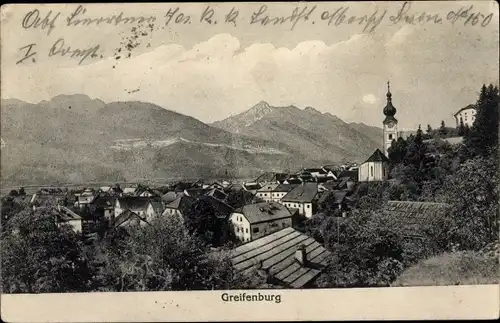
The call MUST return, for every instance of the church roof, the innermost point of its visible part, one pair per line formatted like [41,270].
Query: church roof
[377,156]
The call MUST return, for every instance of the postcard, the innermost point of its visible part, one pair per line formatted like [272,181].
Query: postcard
[278,161]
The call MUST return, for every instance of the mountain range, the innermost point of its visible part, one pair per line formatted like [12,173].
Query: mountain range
[75,139]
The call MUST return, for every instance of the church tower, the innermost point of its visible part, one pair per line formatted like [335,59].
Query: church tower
[390,123]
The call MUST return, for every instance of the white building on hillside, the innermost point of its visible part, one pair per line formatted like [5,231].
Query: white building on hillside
[467,115]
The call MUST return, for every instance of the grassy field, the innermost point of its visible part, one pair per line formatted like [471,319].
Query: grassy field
[457,268]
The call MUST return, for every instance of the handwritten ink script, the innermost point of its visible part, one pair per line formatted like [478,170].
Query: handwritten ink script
[298,16]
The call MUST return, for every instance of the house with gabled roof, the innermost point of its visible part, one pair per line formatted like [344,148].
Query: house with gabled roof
[265,192]
[138,205]
[286,258]
[375,168]
[217,193]
[63,215]
[256,220]
[304,197]
[105,205]
[128,218]
[179,206]
[281,190]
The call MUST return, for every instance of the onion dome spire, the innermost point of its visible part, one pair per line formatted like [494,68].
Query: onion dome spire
[389,110]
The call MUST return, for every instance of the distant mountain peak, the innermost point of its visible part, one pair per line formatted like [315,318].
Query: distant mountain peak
[312,110]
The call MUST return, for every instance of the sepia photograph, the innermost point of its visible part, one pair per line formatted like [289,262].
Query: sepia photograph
[251,153]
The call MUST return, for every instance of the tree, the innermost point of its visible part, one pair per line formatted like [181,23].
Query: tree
[466,130]
[472,190]
[483,135]
[461,127]
[149,259]
[397,151]
[40,257]
[22,192]
[14,193]
[367,253]
[442,129]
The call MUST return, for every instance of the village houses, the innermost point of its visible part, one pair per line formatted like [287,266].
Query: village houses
[281,190]
[144,207]
[304,197]
[256,220]
[265,192]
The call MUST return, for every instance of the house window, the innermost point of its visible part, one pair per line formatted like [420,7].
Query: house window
[265,194]
[237,229]
[390,136]
[255,230]
[283,225]
[308,206]
[246,230]
[371,170]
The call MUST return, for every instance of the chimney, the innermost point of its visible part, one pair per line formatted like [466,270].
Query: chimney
[301,256]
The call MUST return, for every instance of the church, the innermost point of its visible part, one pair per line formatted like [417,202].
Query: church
[376,167]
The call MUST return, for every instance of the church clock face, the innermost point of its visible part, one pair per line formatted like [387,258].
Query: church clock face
[390,124]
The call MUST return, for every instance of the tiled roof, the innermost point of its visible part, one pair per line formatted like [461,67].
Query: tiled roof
[134,203]
[338,196]
[127,217]
[182,203]
[104,202]
[275,254]
[221,209]
[265,211]
[330,185]
[196,192]
[285,187]
[414,217]
[315,170]
[64,214]
[270,187]
[377,156]
[217,193]
[169,196]
[353,174]
[157,205]
[305,192]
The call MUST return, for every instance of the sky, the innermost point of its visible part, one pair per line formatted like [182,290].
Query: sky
[212,71]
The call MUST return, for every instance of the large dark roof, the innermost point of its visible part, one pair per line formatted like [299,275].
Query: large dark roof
[221,209]
[275,254]
[127,217]
[64,214]
[353,174]
[377,156]
[338,196]
[285,187]
[305,192]
[181,203]
[265,211]
[105,201]
[268,187]
[157,205]
[413,218]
